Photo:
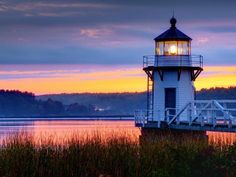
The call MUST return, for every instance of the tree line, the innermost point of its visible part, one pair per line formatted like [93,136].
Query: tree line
[16,103]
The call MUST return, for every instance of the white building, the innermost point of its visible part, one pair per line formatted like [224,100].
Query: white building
[172,71]
[171,103]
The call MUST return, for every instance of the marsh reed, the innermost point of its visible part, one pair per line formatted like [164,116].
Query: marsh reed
[116,157]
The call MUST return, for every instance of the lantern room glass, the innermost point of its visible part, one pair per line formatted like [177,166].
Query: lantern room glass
[173,48]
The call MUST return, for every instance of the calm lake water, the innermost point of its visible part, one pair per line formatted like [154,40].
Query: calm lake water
[60,131]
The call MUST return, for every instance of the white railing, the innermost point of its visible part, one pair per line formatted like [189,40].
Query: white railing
[199,112]
[173,60]
[140,117]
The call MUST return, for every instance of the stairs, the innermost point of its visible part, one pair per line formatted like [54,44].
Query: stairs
[149,98]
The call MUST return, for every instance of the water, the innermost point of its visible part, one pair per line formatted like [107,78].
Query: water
[61,130]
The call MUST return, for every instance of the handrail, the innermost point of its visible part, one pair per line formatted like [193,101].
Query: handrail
[173,60]
[179,113]
[199,112]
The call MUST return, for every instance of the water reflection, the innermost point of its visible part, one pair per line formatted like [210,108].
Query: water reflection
[222,138]
[10,128]
[61,131]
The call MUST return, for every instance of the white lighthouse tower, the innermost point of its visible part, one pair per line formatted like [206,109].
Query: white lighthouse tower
[171,72]
[171,103]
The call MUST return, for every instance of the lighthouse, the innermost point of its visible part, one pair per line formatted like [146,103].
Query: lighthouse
[171,104]
[172,75]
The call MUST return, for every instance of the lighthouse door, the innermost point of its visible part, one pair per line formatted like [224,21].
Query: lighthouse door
[170,100]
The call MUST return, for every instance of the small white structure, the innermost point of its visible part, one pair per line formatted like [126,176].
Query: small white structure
[174,72]
[171,103]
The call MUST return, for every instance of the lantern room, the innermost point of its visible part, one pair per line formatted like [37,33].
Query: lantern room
[173,41]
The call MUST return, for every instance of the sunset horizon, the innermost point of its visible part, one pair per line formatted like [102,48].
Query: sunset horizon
[57,79]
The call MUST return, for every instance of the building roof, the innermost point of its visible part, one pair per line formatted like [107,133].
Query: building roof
[173,33]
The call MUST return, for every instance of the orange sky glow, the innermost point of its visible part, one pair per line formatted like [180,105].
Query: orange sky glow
[104,79]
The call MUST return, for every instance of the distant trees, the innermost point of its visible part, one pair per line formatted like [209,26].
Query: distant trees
[217,93]
[76,109]
[16,103]
[103,103]
[51,107]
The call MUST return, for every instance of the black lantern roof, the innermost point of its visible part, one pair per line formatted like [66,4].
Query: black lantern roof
[172,34]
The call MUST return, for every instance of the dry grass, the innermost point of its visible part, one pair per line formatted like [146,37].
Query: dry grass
[115,157]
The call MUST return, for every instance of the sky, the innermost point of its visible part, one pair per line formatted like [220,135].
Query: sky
[57,46]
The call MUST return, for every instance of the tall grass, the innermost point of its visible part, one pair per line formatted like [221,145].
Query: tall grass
[116,157]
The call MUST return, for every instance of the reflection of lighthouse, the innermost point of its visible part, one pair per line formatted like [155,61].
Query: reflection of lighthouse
[170,90]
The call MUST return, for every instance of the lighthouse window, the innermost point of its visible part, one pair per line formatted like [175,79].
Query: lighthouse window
[173,48]
[170,48]
[183,48]
[160,48]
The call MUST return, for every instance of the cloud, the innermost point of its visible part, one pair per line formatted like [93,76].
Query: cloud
[32,71]
[109,32]
[95,33]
